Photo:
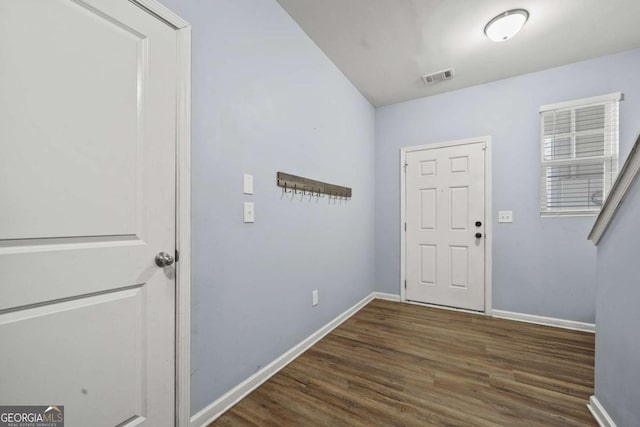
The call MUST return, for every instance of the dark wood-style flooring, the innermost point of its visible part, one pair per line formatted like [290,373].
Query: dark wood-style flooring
[397,364]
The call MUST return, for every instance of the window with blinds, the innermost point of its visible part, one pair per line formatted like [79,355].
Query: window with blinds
[579,154]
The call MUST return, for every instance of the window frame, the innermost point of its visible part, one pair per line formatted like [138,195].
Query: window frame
[609,158]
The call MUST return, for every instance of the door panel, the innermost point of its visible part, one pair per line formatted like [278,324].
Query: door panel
[87,180]
[459,262]
[428,208]
[428,167]
[81,359]
[459,209]
[428,264]
[444,199]
[458,164]
[98,204]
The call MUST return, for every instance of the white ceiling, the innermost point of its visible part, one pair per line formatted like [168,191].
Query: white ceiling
[385,46]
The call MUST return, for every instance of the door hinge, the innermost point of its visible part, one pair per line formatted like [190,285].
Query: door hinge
[405,284]
[177,255]
[405,167]
[405,226]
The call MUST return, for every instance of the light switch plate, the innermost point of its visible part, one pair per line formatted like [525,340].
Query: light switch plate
[249,212]
[505,216]
[247,184]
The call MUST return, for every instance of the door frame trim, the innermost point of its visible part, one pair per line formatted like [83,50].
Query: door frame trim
[183,207]
[487,211]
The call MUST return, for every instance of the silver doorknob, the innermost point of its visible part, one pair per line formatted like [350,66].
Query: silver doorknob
[164,259]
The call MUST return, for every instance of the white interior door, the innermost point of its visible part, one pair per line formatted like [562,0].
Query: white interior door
[445,222]
[87,188]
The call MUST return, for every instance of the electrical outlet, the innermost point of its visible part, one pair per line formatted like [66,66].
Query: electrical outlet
[505,216]
[314,298]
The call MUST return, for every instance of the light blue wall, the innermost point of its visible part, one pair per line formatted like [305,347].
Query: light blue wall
[542,266]
[266,99]
[618,313]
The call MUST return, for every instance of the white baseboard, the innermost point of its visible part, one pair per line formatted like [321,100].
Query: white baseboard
[385,296]
[217,408]
[599,413]
[547,321]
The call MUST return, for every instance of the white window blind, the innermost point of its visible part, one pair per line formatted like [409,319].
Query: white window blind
[579,154]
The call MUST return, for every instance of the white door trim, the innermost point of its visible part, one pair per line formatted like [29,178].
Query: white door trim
[487,206]
[183,208]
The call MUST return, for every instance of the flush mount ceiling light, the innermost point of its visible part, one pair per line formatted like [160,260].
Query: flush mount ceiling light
[506,25]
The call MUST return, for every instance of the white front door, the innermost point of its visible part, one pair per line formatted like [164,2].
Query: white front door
[445,222]
[87,195]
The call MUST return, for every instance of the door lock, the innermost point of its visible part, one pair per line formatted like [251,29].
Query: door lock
[164,259]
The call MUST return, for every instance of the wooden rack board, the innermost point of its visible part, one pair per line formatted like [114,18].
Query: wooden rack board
[310,186]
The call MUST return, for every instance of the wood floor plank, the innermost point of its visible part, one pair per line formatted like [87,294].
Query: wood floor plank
[397,364]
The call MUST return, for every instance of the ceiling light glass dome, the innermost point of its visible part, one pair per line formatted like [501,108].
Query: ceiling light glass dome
[506,25]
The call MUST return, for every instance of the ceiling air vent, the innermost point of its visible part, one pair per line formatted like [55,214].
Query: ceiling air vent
[439,76]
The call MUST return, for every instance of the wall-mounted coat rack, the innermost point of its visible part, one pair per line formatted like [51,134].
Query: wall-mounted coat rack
[299,185]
